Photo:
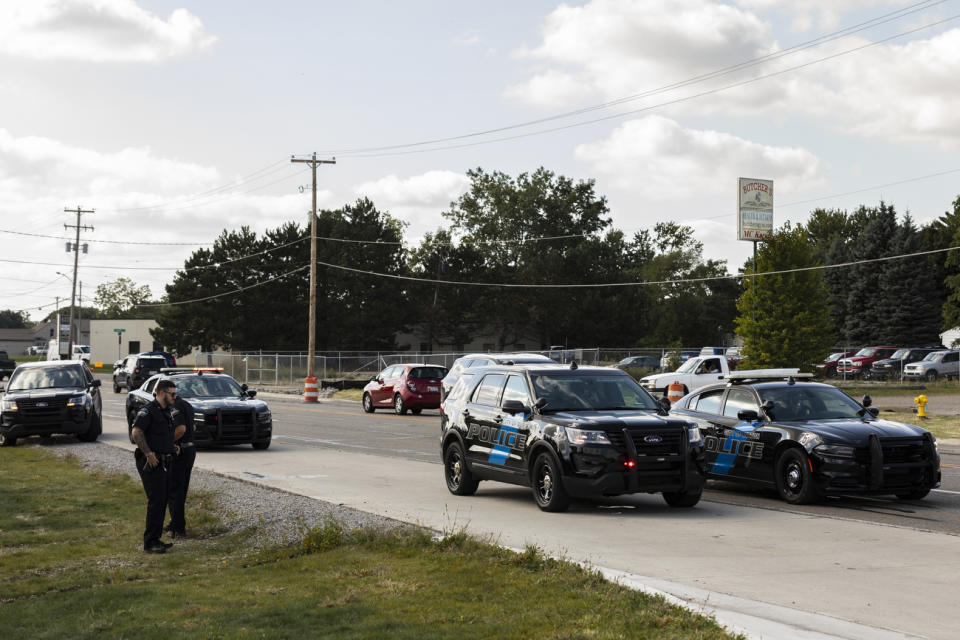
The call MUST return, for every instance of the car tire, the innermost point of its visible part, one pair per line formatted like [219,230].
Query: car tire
[682,498]
[460,482]
[92,433]
[931,376]
[416,411]
[116,387]
[916,494]
[261,446]
[129,384]
[399,407]
[548,488]
[7,441]
[794,479]
[367,403]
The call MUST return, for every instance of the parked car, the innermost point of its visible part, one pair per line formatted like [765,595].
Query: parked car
[807,439]
[225,412]
[945,363]
[7,365]
[828,367]
[474,360]
[684,356]
[168,358]
[893,367]
[639,362]
[862,360]
[404,387]
[135,369]
[567,432]
[43,398]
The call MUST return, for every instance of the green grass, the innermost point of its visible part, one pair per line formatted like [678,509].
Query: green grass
[940,426]
[348,394]
[71,566]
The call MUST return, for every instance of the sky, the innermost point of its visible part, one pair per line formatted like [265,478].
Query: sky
[173,121]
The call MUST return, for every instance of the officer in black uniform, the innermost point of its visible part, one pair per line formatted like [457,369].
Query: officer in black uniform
[182,466]
[152,432]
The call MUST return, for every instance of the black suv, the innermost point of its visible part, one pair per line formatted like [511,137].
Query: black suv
[892,368]
[44,398]
[567,432]
[135,369]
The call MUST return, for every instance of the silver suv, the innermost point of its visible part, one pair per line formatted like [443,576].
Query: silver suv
[939,363]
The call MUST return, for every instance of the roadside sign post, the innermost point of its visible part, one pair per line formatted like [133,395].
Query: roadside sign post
[119,333]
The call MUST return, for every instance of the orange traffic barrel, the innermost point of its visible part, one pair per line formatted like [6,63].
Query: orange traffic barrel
[310,391]
[674,391]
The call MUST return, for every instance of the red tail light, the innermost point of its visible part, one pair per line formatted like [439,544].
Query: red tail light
[629,464]
[411,385]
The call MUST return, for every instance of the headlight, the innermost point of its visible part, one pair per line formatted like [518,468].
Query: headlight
[77,401]
[835,450]
[582,436]
[8,405]
[809,440]
[265,416]
[694,437]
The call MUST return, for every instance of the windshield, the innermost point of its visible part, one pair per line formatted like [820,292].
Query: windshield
[865,353]
[688,366]
[590,392]
[809,403]
[833,357]
[82,348]
[936,356]
[207,387]
[45,378]
[900,354]
[427,372]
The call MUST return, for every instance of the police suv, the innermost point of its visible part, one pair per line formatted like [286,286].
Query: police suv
[567,431]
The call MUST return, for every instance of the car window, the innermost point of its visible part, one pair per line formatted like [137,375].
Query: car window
[152,364]
[711,365]
[738,399]
[460,387]
[427,372]
[794,403]
[516,389]
[951,357]
[709,401]
[208,387]
[45,378]
[151,383]
[584,392]
[488,392]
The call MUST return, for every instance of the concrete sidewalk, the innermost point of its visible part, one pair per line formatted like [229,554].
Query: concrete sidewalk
[770,574]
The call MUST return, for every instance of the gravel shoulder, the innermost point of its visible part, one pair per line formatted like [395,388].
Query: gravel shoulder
[278,517]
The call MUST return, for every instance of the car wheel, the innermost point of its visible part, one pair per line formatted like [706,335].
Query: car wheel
[460,482]
[367,403]
[261,446]
[7,441]
[931,376]
[794,479]
[417,411]
[681,498]
[92,433]
[916,494]
[399,407]
[548,488]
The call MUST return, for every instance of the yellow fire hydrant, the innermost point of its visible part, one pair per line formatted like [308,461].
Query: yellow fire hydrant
[921,402]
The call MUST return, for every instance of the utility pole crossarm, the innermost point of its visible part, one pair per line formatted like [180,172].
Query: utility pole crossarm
[312,337]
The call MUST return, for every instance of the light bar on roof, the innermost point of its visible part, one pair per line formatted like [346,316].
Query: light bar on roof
[766,374]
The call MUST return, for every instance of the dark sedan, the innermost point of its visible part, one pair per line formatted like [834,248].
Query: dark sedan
[807,440]
[225,412]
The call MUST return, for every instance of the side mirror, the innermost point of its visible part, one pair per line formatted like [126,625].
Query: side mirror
[664,405]
[874,411]
[514,406]
[767,408]
[747,415]
[540,404]
[867,401]
[97,382]
[251,393]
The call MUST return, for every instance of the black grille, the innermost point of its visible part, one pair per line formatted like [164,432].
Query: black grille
[42,403]
[896,450]
[670,442]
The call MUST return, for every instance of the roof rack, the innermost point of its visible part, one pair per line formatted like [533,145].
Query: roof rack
[735,377]
[197,370]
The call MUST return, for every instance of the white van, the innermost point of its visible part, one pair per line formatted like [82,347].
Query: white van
[81,352]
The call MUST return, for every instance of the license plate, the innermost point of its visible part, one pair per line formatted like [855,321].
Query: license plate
[433,389]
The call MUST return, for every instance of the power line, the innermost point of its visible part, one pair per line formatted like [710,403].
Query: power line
[40,235]
[226,293]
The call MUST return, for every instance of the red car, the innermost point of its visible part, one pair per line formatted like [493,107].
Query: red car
[405,387]
[860,361]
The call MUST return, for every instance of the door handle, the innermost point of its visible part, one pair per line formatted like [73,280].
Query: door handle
[498,419]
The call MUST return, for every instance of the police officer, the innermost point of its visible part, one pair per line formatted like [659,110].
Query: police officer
[152,432]
[182,466]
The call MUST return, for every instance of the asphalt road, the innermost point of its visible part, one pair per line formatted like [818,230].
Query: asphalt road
[342,425]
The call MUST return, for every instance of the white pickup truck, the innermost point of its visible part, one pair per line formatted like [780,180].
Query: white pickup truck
[692,374]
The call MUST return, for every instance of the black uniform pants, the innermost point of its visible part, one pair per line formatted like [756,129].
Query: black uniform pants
[179,484]
[156,484]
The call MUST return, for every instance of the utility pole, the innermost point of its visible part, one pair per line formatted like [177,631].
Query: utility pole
[76,257]
[312,338]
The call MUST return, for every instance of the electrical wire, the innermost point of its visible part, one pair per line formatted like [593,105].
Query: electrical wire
[131,242]
[226,293]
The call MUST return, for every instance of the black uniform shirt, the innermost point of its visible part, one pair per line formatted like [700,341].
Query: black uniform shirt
[157,425]
[184,416]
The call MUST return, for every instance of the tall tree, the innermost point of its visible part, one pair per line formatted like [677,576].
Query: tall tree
[784,318]
[10,319]
[120,297]
[910,309]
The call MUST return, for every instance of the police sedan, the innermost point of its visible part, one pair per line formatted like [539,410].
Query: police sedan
[771,428]
[225,412]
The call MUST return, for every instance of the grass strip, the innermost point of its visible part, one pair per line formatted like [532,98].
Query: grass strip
[71,566]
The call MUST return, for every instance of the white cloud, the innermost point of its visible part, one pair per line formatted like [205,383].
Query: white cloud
[417,200]
[824,14]
[97,31]
[656,158]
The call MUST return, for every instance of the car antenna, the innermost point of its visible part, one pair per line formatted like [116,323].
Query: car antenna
[573,365]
